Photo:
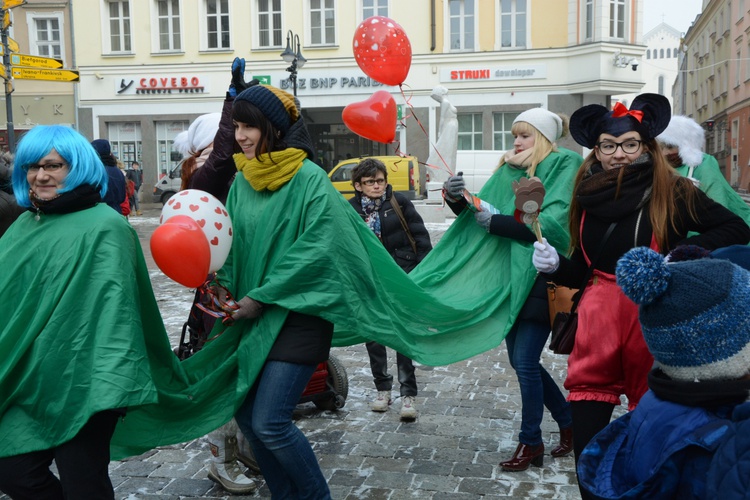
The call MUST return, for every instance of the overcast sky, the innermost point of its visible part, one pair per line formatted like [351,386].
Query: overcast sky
[679,14]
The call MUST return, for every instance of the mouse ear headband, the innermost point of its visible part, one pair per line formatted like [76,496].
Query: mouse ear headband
[649,115]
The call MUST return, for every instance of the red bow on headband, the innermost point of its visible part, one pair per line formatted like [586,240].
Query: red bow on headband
[620,110]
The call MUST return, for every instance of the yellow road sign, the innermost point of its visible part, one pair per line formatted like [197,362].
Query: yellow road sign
[6,19]
[53,75]
[2,70]
[9,4]
[12,45]
[35,61]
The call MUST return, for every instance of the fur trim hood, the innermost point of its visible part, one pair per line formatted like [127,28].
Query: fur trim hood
[688,136]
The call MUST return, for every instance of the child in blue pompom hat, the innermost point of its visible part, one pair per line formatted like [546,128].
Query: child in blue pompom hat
[695,317]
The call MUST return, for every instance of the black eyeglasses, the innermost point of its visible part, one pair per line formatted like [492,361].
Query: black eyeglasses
[47,167]
[372,182]
[629,147]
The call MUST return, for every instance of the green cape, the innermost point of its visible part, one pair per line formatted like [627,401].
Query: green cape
[716,186]
[304,248]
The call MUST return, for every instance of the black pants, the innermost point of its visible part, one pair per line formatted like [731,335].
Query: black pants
[379,366]
[589,417]
[82,463]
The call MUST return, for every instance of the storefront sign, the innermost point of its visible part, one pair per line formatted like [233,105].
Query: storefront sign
[488,73]
[182,84]
[335,82]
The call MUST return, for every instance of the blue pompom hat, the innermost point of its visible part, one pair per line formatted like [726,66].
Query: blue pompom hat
[695,314]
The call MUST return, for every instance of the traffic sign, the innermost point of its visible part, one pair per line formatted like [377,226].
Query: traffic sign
[53,75]
[2,70]
[9,4]
[35,61]
[6,19]
[12,45]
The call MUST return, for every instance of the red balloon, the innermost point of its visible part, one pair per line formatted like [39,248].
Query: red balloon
[382,50]
[180,249]
[374,118]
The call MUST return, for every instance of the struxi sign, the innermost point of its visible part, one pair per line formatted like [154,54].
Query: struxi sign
[489,73]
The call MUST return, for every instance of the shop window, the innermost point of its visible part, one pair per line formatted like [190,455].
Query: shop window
[502,137]
[469,131]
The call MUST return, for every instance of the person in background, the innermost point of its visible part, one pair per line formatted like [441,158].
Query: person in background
[116,189]
[624,187]
[398,225]
[196,144]
[534,154]
[75,356]
[682,143]
[135,174]
[9,209]
[687,310]
[125,206]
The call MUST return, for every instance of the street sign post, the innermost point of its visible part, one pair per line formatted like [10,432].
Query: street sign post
[53,75]
[35,61]
[9,4]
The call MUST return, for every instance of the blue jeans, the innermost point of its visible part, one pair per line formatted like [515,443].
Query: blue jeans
[284,454]
[525,342]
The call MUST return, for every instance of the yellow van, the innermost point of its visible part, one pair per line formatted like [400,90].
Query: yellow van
[405,174]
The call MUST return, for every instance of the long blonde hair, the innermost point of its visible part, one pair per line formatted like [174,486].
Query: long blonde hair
[667,187]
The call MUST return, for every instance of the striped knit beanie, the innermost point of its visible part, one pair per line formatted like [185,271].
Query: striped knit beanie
[277,105]
[695,314]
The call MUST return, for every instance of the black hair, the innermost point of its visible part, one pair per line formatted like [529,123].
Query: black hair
[369,167]
[245,112]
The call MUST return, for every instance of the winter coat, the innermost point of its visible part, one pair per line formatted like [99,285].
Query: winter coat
[729,472]
[658,451]
[393,236]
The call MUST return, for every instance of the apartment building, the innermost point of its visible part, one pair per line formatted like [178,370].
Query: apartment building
[149,67]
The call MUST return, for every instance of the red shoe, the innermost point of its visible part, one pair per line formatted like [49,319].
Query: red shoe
[524,456]
[566,443]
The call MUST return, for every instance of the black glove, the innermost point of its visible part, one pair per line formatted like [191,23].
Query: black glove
[238,78]
[454,187]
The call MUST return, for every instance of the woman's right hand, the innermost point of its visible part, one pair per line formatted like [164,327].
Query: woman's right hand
[248,309]
[454,187]
[545,258]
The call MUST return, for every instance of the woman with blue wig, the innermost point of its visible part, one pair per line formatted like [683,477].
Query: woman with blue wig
[75,355]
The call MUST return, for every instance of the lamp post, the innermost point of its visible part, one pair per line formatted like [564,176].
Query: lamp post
[293,55]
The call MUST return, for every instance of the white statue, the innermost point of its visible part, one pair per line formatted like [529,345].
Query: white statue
[447,141]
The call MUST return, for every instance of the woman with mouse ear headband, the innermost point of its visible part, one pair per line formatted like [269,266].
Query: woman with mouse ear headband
[626,186]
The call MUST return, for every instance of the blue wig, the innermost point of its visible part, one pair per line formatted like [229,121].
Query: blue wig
[84,165]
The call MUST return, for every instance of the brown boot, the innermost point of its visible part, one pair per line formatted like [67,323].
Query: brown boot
[566,443]
[524,456]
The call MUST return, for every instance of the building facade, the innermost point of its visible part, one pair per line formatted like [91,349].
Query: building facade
[149,67]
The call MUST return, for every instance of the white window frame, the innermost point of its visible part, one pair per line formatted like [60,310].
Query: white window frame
[462,17]
[107,32]
[588,23]
[204,26]
[614,19]
[31,19]
[474,132]
[155,32]
[496,132]
[323,42]
[513,14]
[256,20]
[378,8]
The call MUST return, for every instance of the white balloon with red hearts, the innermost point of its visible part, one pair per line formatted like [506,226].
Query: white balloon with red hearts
[211,216]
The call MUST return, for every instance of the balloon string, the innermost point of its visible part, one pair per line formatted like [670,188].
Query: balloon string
[407,100]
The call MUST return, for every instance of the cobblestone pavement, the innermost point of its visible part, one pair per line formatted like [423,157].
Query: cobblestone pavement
[469,416]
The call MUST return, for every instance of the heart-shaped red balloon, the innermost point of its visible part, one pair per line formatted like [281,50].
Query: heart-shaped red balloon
[180,249]
[374,118]
[382,50]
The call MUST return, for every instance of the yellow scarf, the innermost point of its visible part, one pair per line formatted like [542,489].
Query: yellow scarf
[269,174]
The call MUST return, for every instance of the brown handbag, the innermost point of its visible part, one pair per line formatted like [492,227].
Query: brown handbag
[560,299]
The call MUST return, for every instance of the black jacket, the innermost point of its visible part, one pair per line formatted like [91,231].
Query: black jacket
[393,236]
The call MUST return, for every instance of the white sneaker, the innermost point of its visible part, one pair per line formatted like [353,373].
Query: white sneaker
[408,412]
[381,402]
[230,477]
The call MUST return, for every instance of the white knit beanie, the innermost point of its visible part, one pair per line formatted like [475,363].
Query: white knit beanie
[688,136]
[549,124]
[198,136]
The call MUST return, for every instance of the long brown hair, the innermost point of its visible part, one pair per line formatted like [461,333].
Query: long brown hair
[667,188]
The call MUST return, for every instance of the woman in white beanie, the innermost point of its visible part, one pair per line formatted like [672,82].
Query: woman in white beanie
[682,143]
[196,144]
[534,154]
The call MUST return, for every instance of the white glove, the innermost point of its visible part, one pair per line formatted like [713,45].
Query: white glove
[545,257]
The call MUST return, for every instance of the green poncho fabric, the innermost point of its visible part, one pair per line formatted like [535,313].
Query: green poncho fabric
[713,183]
[304,248]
